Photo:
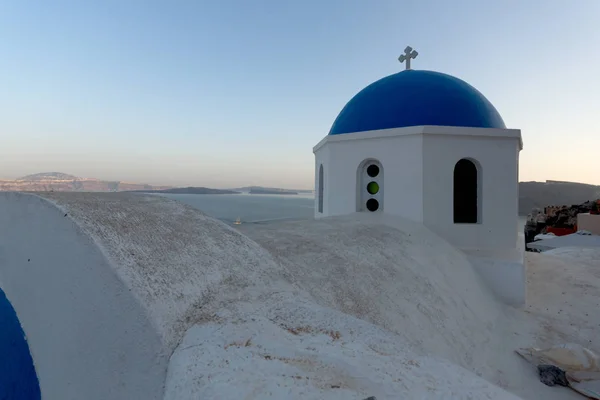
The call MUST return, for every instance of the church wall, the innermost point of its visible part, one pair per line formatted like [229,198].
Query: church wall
[503,272]
[401,160]
[498,180]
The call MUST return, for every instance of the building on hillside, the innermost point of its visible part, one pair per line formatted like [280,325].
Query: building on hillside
[431,148]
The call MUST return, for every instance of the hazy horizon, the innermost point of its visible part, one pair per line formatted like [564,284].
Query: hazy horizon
[234,93]
[224,187]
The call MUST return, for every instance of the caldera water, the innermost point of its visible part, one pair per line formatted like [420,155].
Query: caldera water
[250,208]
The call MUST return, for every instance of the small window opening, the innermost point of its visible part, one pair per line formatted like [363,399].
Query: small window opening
[465,192]
[321,187]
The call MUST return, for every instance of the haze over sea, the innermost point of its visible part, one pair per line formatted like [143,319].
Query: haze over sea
[250,207]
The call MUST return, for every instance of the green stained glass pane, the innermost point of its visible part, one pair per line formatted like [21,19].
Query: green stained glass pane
[373,188]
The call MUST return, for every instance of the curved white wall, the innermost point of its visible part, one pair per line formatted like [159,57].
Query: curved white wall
[89,338]
[105,285]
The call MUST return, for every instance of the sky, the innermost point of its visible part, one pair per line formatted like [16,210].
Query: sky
[231,93]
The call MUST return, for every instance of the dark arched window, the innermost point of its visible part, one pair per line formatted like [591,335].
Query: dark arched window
[321,186]
[465,192]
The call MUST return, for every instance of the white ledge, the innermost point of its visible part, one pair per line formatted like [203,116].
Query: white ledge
[424,130]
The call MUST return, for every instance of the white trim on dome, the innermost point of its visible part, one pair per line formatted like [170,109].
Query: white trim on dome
[424,130]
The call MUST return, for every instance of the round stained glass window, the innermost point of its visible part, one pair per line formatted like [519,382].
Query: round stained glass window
[373,187]
[372,205]
[373,170]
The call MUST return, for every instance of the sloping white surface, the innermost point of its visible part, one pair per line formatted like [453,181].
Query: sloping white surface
[564,300]
[172,257]
[401,277]
[298,351]
[376,307]
[394,292]
[106,285]
[572,240]
[583,254]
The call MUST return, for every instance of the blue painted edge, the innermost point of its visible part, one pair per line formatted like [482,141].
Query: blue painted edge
[18,379]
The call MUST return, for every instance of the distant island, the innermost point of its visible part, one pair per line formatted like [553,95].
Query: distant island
[247,189]
[270,190]
[48,176]
[189,190]
[61,182]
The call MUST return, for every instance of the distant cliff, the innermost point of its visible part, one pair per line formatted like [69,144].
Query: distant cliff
[61,182]
[48,176]
[272,191]
[269,190]
[190,190]
[554,193]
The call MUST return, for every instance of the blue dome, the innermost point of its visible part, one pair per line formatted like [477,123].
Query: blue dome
[413,98]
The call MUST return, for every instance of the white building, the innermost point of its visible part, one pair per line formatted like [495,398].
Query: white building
[429,147]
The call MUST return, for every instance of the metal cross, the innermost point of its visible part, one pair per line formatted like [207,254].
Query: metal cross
[409,54]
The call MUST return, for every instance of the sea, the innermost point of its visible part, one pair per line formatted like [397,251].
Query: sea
[258,208]
[250,208]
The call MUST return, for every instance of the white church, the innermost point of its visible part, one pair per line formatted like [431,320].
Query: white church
[429,147]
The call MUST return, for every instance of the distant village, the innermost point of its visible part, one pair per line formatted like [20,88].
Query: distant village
[572,221]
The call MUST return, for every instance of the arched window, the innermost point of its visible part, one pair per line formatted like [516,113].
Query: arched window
[321,187]
[466,192]
[369,185]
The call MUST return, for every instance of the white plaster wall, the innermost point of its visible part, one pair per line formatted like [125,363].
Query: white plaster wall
[505,278]
[503,271]
[89,337]
[401,159]
[498,158]
[589,222]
